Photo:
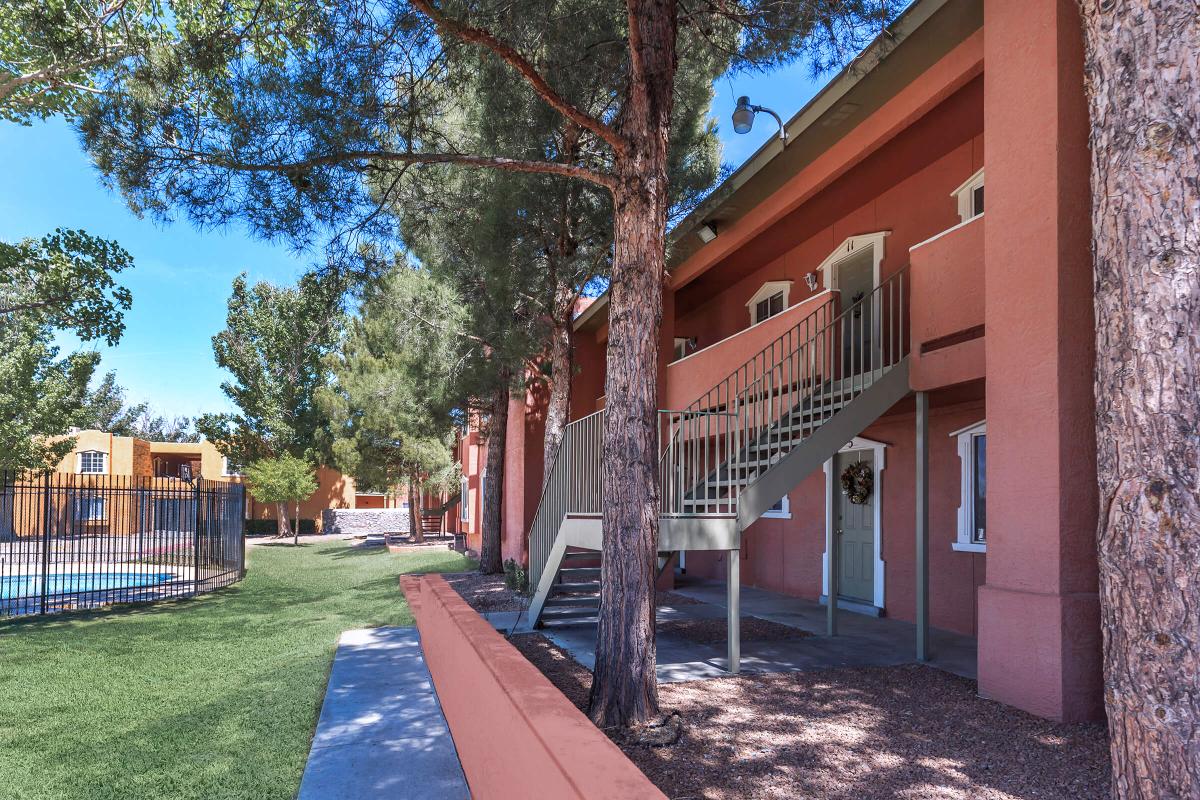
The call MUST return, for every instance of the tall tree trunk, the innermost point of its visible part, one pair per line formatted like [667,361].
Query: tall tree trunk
[558,409]
[281,521]
[296,531]
[624,686]
[416,533]
[1143,79]
[490,559]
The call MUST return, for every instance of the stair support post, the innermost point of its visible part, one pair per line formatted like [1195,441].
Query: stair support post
[922,527]
[733,624]
[832,556]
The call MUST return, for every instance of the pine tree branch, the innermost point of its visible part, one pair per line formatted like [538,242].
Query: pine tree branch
[518,62]
[493,162]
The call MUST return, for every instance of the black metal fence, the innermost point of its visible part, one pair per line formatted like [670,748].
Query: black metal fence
[80,541]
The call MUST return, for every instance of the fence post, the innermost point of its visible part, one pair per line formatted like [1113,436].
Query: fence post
[45,542]
[196,561]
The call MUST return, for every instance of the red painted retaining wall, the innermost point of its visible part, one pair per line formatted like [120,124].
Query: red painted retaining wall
[516,735]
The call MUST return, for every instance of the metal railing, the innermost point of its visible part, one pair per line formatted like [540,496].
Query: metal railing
[72,541]
[718,445]
[795,384]
[573,485]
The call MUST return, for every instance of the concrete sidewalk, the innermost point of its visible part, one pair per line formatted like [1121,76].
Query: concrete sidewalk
[382,732]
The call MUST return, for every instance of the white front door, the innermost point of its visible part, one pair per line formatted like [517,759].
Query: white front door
[854,525]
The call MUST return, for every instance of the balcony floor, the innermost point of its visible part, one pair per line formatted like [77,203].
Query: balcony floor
[862,641]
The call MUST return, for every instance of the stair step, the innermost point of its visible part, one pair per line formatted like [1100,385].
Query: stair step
[575,588]
[566,613]
[579,574]
[582,555]
[573,601]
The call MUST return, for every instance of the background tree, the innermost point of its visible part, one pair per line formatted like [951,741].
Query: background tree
[389,404]
[274,344]
[62,283]
[66,280]
[292,146]
[56,56]
[281,480]
[1142,69]
[41,396]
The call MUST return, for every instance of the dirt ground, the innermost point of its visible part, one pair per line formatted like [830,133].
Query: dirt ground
[908,732]
[713,631]
[485,593]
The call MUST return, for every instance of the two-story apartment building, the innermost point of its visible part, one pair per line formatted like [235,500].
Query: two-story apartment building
[877,356]
[101,453]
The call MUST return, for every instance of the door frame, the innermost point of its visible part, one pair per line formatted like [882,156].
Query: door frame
[858,443]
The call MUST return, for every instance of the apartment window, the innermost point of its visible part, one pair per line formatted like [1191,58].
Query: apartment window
[89,509]
[972,509]
[768,301]
[781,510]
[231,469]
[970,197]
[464,508]
[91,462]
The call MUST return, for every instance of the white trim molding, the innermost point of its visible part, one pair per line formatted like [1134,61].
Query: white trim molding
[103,462]
[880,463]
[226,472]
[768,290]
[965,196]
[851,247]
[965,541]
[784,512]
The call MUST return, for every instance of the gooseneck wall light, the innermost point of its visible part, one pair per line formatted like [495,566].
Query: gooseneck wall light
[743,117]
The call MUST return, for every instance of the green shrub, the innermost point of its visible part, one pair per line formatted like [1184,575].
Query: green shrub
[269,527]
[515,577]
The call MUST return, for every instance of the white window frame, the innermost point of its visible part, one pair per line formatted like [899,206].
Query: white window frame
[964,195]
[784,511]
[228,473]
[766,292]
[103,462]
[90,502]
[965,540]
[850,247]
[464,492]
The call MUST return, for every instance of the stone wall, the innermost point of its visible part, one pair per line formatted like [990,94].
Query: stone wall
[364,520]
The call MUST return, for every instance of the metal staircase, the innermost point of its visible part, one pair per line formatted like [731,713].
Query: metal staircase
[735,452]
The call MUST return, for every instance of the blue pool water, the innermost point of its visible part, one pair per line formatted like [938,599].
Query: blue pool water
[15,586]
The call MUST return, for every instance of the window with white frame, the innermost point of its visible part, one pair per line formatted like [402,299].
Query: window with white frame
[231,469]
[464,508]
[92,462]
[970,197]
[768,301]
[972,509]
[781,509]
[89,508]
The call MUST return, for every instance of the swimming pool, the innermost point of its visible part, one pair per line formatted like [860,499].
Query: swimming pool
[17,586]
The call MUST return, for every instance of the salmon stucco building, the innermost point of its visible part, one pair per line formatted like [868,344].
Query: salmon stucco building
[101,453]
[876,363]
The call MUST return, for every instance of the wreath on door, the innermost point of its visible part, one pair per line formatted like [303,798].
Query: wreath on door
[857,482]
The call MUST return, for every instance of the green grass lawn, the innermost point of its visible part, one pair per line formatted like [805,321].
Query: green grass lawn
[213,697]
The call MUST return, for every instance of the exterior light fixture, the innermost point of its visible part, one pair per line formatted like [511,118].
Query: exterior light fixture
[811,280]
[743,117]
[707,232]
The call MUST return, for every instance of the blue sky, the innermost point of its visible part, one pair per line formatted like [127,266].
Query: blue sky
[181,278]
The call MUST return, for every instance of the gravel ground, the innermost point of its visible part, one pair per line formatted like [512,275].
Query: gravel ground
[907,732]
[485,593]
[712,631]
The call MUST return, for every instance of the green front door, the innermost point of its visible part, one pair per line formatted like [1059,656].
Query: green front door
[856,535]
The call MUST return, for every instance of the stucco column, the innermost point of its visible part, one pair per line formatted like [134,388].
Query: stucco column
[1039,634]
